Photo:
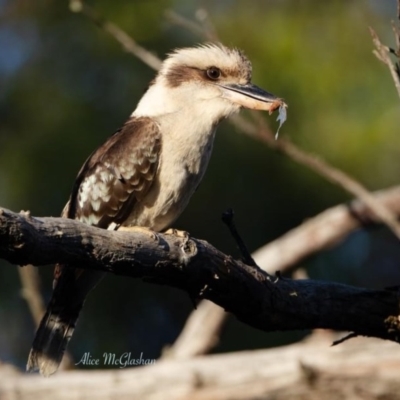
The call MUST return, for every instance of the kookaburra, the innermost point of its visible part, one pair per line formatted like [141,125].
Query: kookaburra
[145,174]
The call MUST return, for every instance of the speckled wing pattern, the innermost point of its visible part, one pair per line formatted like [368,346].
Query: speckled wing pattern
[117,175]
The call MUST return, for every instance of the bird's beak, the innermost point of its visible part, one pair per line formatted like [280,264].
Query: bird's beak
[251,96]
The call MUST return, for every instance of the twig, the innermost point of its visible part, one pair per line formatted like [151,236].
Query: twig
[398,10]
[322,168]
[30,288]
[30,282]
[382,52]
[209,30]
[344,339]
[189,25]
[227,218]
[396,32]
[116,32]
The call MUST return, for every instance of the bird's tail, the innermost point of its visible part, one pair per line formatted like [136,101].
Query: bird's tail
[71,286]
[52,337]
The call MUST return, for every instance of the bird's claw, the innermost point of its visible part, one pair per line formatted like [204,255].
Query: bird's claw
[139,229]
[178,233]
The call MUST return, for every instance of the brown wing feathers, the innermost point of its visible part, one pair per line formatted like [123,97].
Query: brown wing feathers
[117,175]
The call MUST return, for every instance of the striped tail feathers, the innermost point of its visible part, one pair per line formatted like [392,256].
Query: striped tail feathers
[51,340]
[71,287]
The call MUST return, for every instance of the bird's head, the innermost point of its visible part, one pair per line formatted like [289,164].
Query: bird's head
[211,78]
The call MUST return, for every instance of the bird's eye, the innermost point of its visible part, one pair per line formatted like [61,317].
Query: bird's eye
[213,73]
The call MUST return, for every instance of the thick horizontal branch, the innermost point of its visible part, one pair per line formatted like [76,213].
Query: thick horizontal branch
[284,254]
[193,265]
[308,370]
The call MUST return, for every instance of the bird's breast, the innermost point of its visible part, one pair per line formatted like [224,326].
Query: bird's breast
[181,168]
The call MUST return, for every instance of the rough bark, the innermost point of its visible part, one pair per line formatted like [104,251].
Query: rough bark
[284,254]
[311,370]
[256,298]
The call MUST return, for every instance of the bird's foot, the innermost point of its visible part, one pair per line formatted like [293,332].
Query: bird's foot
[139,229]
[176,232]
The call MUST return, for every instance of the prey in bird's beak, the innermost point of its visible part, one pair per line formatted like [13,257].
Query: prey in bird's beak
[252,97]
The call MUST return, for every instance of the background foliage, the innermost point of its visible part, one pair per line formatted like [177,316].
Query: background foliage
[65,86]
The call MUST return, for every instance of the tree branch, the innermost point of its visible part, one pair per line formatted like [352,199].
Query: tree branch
[284,254]
[362,368]
[126,41]
[321,167]
[198,268]
[382,53]
[30,291]
[207,32]
[323,232]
